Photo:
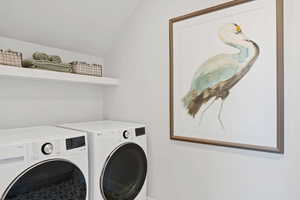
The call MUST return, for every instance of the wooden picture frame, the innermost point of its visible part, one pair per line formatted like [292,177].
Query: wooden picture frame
[279,133]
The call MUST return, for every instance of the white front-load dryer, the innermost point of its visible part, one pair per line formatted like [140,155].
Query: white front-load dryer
[43,163]
[118,159]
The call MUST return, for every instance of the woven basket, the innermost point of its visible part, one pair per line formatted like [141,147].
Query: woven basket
[87,69]
[11,58]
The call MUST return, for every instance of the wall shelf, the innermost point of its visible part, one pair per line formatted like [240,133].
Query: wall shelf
[57,76]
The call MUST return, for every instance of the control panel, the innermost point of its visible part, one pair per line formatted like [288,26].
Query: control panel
[140,131]
[73,143]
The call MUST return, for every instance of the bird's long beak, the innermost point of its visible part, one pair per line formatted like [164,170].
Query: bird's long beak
[238,29]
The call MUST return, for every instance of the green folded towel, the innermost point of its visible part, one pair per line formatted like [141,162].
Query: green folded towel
[52,68]
[43,61]
[40,56]
[27,62]
[55,59]
[44,56]
[42,64]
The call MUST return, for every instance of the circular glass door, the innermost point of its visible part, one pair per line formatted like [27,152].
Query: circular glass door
[124,173]
[49,180]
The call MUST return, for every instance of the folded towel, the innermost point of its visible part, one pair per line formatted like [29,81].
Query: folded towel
[55,59]
[44,56]
[51,68]
[41,64]
[27,62]
[40,56]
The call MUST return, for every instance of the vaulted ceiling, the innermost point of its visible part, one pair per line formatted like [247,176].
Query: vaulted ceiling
[86,26]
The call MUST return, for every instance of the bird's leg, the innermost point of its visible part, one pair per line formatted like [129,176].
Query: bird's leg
[224,94]
[220,113]
[202,113]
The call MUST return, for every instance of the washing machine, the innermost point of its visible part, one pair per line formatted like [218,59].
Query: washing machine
[118,159]
[43,163]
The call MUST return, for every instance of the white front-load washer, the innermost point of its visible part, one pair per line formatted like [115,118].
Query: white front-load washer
[43,163]
[118,159]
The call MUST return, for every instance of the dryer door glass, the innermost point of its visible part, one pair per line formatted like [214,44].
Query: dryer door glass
[49,180]
[124,173]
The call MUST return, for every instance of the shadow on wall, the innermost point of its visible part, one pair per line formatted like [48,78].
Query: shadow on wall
[41,102]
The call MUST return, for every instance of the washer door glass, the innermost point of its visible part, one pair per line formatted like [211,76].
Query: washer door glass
[124,173]
[49,180]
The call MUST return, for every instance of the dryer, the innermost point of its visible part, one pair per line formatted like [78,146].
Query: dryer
[118,159]
[43,163]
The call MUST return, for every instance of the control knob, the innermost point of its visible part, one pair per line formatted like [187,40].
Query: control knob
[47,148]
[126,134]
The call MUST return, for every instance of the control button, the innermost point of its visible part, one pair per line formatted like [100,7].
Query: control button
[126,134]
[47,148]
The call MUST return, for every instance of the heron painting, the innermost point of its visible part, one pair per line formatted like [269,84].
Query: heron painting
[227,75]
[214,79]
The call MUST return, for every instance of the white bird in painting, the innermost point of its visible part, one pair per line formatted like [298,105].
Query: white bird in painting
[215,77]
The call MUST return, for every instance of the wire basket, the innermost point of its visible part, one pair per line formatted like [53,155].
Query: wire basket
[12,58]
[87,69]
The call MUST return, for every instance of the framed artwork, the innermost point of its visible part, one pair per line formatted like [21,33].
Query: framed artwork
[227,76]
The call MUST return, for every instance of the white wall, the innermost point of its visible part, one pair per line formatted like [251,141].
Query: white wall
[186,171]
[87,26]
[25,102]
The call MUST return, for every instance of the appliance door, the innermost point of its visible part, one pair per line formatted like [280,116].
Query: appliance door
[48,180]
[124,173]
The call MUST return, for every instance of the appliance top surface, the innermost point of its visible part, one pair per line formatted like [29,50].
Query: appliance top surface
[31,134]
[102,126]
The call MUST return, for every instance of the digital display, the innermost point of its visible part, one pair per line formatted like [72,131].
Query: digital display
[140,131]
[73,143]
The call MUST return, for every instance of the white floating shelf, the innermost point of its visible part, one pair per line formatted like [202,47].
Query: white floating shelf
[52,75]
